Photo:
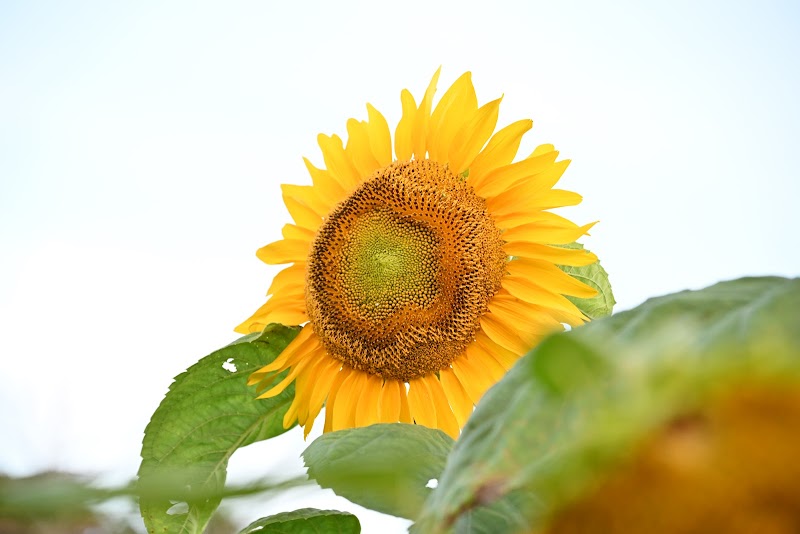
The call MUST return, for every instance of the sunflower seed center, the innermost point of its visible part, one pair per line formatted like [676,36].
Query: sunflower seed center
[401,271]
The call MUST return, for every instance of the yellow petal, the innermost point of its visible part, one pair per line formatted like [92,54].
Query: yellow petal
[338,163]
[484,363]
[534,179]
[504,178]
[307,382]
[543,149]
[500,150]
[307,195]
[459,400]
[548,175]
[551,277]
[380,140]
[548,234]
[330,406]
[248,327]
[296,369]
[473,135]
[298,411]
[358,148]
[327,374]
[287,308]
[502,335]
[284,251]
[474,381]
[557,198]
[572,319]
[288,358]
[329,187]
[389,404]
[504,357]
[292,231]
[299,343]
[303,215]
[367,409]
[290,301]
[512,220]
[251,326]
[421,404]
[405,411]
[445,419]
[458,103]
[291,414]
[557,255]
[522,316]
[403,146]
[347,400]
[551,219]
[290,277]
[419,134]
[295,315]
[529,292]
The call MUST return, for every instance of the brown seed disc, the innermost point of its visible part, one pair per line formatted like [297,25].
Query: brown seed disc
[401,271]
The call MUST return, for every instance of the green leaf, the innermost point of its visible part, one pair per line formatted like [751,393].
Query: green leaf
[384,467]
[504,515]
[48,496]
[306,521]
[57,496]
[594,276]
[575,407]
[207,414]
[565,365]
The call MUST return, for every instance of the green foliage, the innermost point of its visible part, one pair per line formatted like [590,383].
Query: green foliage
[208,413]
[568,412]
[384,467]
[50,495]
[62,497]
[594,276]
[306,521]
[503,515]
[579,402]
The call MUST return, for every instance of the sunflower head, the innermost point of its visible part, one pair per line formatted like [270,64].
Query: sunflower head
[401,271]
[419,276]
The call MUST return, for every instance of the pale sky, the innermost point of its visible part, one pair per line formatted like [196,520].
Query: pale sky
[142,146]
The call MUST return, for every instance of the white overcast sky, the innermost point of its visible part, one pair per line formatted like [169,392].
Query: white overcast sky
[142,145]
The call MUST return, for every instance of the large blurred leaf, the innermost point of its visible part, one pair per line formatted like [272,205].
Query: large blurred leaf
[208,413]
[49,495]
[579,401]
[503,515]
[594,276]
[306,521]
[384,467]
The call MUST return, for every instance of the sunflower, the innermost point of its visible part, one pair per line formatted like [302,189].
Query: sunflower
[419,278]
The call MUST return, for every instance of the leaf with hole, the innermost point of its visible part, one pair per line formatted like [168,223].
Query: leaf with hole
[208,413]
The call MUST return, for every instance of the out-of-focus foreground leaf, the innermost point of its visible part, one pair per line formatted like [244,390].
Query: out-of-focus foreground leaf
[59,498]
[580,402]
[306,521]
[208,413]
[384,467]
[48,495]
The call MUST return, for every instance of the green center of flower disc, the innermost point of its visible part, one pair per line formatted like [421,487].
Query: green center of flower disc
[389,263]
[401,271]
